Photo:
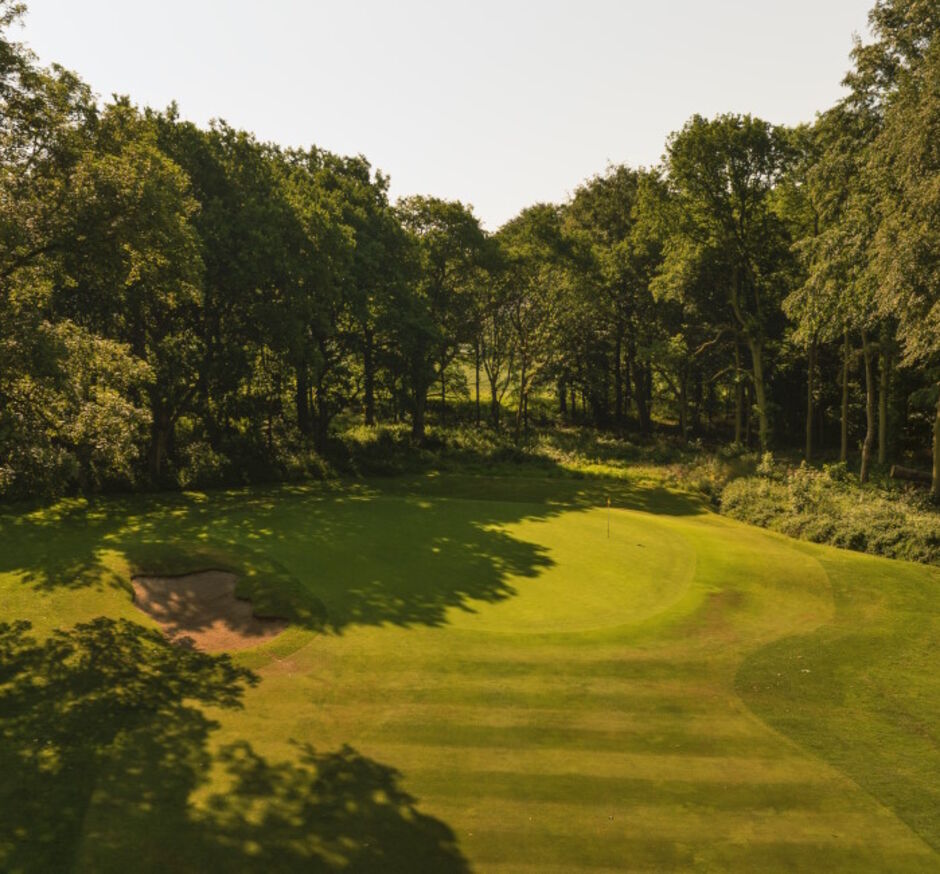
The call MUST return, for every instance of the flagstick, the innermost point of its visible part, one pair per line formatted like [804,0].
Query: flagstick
[608,518]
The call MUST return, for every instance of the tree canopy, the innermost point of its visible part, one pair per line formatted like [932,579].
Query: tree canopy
[183,305]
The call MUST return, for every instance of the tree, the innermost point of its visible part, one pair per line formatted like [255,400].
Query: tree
[536,259]
[246,227]
[848,249]
[723,172]
[133,272]
[602,211]
[494,351]
[810,305]
[906,167]
[319,290]
[434,313]
[69,409]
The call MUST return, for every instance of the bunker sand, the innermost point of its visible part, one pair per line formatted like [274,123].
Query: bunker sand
[201,610]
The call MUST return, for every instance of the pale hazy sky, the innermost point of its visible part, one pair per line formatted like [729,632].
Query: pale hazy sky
[499,104]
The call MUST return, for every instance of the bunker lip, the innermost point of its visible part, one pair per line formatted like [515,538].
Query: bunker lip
[201,610]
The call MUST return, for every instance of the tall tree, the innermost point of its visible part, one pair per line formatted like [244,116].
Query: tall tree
[537,256]
[134,269]
[69,410]
[723,172]
[906,168]
[434,316]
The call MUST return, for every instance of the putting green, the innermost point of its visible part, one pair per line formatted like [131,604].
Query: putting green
[687,693]
[639,569]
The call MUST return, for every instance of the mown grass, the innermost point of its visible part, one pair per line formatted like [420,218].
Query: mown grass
[477,677]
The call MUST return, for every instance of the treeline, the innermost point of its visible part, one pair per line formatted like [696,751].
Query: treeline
[175,299]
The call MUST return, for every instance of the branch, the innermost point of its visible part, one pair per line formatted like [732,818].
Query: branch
[708,343]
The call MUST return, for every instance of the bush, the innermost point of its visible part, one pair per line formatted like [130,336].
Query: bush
[379,450]
[201,466]
[710,473]
[828,506]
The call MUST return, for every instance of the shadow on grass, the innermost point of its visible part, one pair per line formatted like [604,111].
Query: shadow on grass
[103,743]
[402,552]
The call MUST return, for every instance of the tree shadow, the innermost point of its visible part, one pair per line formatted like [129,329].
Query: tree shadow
[57,546]
[327,556]
[104,748]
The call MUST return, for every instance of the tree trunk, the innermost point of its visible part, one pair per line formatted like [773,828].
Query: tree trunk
[494,401]
[821,426]
[763,422]
[683,407]
[697,402]
[627,391]
[417,416]
[844,447]
[642,408]
[748,405]
[368,366]
[629,367]
[268,433]
[910,473]
[935,485]
[522,393]
[302,402]
[869,410]
[738,395]
[884,381]
[160,427]
[618,382]
[810,376]
[321,427]
[562,398]
[443,393]
[421,382]
[476,367]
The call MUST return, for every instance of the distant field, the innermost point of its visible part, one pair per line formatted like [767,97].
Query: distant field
[486,679]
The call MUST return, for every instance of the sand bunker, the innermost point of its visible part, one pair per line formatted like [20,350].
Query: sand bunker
[202,611]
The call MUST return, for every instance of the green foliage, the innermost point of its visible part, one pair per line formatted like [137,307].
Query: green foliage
[828,507]
[906,165]
[434,314]
[69,420]
[181,305]
[723,172]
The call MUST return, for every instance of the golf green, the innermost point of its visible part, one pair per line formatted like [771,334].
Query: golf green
[490,674]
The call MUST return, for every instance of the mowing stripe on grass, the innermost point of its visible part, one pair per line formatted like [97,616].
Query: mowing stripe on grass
[561,701]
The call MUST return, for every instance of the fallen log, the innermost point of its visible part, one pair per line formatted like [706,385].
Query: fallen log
[910,473]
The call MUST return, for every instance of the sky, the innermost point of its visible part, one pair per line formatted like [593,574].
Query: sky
[498,104]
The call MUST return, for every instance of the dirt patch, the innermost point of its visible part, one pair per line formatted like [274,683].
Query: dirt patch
[201,610]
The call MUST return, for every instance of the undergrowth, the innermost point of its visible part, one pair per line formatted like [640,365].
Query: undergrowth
[829,506]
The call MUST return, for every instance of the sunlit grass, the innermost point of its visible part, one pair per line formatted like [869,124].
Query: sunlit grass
[685,693]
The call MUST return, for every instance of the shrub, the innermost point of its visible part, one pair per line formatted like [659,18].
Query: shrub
[202,466]
[827,506]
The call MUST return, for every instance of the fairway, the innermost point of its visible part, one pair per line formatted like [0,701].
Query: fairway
[477,676]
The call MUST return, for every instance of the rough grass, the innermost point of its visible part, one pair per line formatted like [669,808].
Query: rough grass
[477,677]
